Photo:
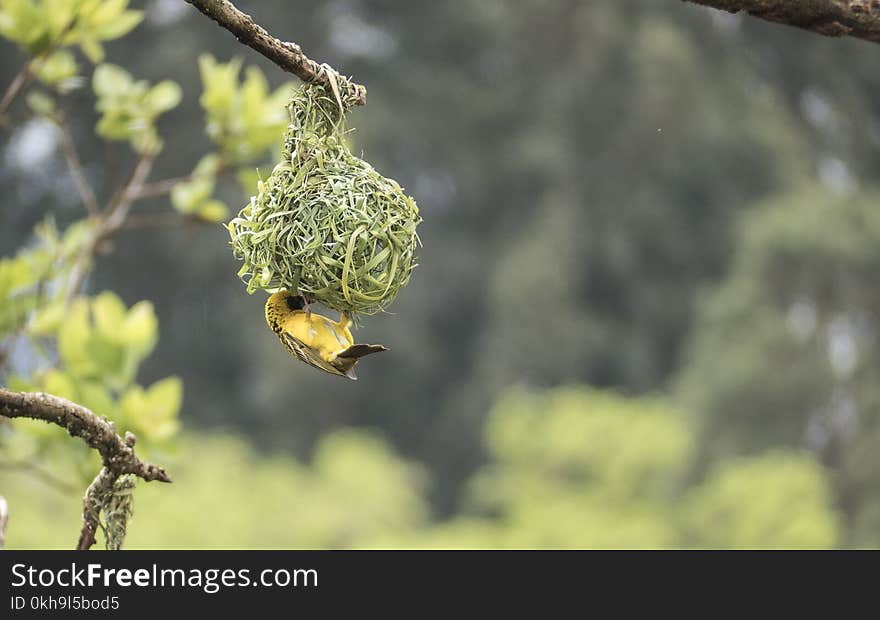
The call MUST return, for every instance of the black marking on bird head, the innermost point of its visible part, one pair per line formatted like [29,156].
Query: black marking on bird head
[295,302]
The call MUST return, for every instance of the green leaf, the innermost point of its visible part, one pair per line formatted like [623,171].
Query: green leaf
[37,25]
[153,413]
[163,96]
[48,319]
[58,67]
[94,396]
[14,275]
[101,340]
[129,108]
[209,165]
[25,24]
[213,211]
[93,50]
[146,141]
[14,311]
[219,84]
[73,338]
[60,384]
[164,399]
[76,236]
[243,119]
[140,328]
[17,383]
[110,81]
[40,103]
[187,197]
[120,25]
[132,403]
[108,357]
[109,314]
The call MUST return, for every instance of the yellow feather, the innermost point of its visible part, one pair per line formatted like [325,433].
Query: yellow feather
[313,338]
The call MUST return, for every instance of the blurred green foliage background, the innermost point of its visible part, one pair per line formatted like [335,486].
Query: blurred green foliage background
[645,313]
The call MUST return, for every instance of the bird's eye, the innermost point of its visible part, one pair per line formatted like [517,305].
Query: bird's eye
[295,302]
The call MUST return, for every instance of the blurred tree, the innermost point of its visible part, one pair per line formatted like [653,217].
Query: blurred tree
[775,501]
[785,350]
[568,210]
[578,468]
[354,490]
[571,468]
[99,346]
[566,238]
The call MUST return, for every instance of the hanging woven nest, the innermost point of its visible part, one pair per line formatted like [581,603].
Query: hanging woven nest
[325,223]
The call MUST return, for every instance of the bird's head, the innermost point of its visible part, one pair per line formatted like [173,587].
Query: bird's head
[283,302]
[294,302]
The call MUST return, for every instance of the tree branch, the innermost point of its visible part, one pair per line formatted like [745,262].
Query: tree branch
[288,56]
[159,188]
[29,71]
[120,205]
[161,220]
[19,83]
[118,454]
[111,220]
[74,165]
[38,472]
[833,18]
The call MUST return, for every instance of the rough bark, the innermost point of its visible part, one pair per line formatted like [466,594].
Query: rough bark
[833,18]
[289,56]
[117,453]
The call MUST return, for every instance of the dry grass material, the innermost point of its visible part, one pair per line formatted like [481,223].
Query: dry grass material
[325,222]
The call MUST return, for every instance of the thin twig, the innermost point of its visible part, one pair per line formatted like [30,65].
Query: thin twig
[42,474]
[160,220]
[78,272]
[19,83]
[119,207]
[165,186]
[74,164]
[29,70]
[111,220]
[288,56]
[158,188]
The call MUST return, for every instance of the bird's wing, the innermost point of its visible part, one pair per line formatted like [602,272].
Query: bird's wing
[359,350]
[307,355]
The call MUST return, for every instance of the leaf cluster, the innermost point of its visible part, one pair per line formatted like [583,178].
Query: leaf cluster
[100,346]
[129,108]
[47,29]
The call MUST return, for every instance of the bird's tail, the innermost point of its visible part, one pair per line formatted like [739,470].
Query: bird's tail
[356,351]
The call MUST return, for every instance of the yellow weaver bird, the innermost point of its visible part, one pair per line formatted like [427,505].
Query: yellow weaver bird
[313,338]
